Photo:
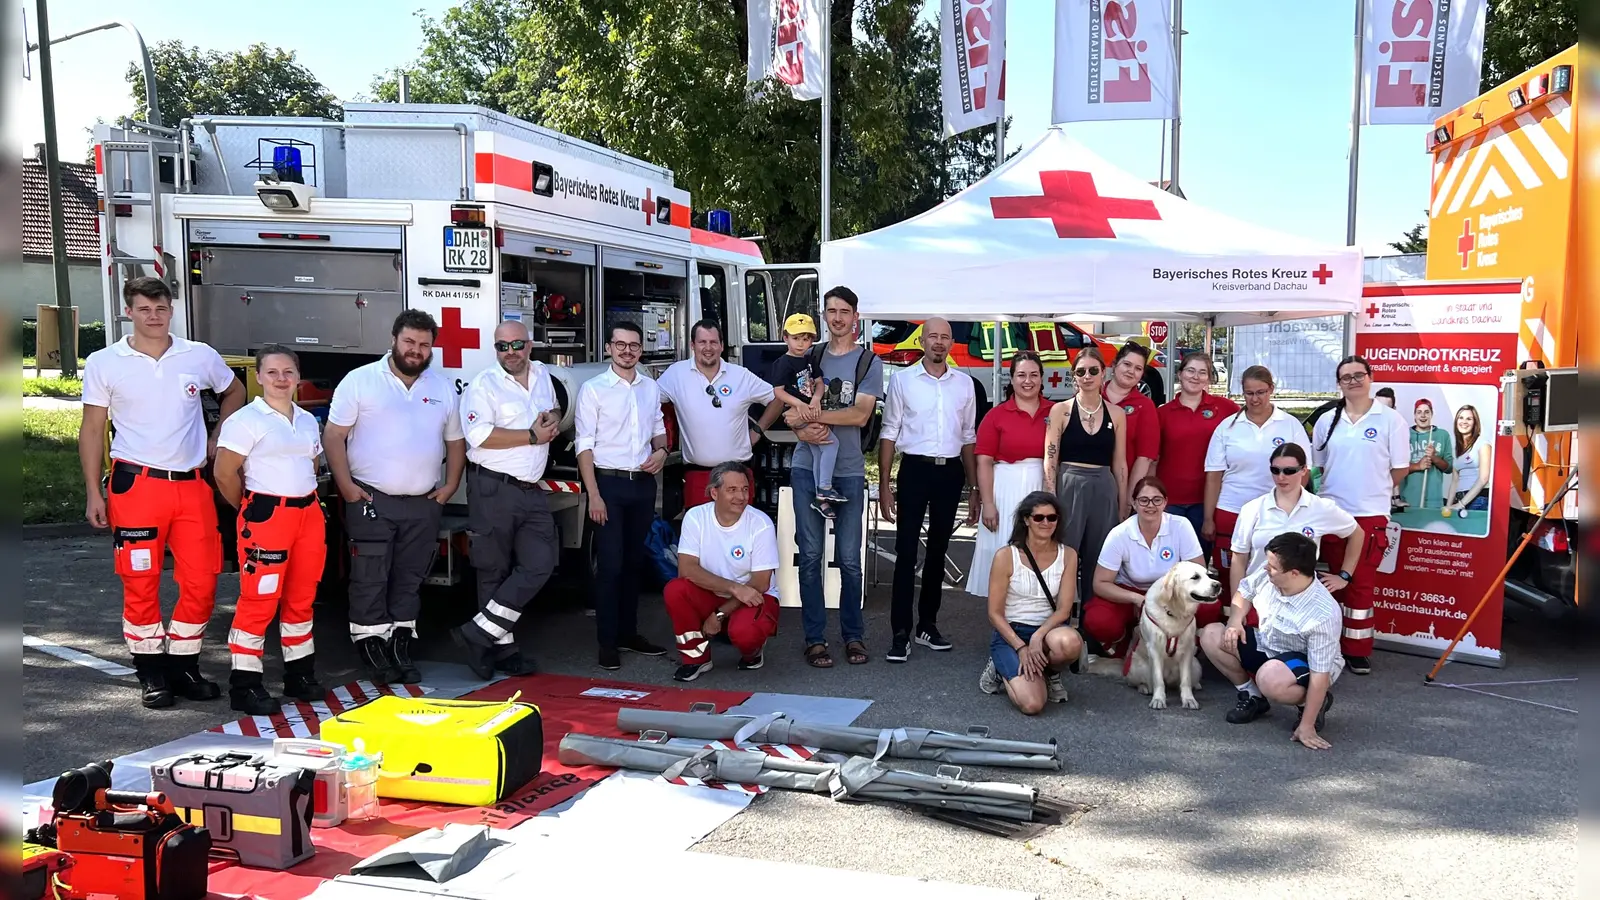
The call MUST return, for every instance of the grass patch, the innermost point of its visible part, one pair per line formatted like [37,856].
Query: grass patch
[52,480]
[52,387]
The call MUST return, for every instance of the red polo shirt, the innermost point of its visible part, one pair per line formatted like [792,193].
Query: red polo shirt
[1144,427]
[1010,435]
[1185,435]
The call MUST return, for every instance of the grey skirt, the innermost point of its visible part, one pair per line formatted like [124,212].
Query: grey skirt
[1088,499]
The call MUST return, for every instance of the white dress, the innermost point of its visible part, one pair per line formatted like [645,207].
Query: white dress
[1012,482]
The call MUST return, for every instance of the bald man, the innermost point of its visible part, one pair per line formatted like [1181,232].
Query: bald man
[930,414]
[509,416]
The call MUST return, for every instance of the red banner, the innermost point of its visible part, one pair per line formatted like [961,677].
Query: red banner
[1441,350]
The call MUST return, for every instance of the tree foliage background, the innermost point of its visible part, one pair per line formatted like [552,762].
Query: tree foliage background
[256,81]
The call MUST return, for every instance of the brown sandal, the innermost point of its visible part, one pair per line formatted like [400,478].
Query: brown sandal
[818,657]
[855,653]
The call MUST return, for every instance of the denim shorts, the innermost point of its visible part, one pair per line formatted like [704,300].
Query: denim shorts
[1006,660]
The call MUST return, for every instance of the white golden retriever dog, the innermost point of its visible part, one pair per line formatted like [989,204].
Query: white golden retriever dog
[1165,655]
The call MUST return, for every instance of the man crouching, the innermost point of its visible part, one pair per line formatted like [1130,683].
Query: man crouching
[1294,652]
[727,569]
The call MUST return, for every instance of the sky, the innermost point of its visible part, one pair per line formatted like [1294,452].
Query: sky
[1265,99]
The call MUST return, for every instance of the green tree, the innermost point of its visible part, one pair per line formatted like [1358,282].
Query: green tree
[476,54]
[1520,34]
[1414,241]
[257,81]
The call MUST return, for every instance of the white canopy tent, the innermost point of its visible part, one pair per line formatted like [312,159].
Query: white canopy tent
[1058,233]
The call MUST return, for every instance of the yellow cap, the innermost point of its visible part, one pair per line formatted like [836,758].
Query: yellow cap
[800,323]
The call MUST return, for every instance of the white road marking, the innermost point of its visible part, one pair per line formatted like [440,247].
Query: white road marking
[77,657]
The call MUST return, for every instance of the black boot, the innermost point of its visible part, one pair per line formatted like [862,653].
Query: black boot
[480,659]
[152,671]
[374,653]
[183,673]
[248,695]
[300,680]
[400,651]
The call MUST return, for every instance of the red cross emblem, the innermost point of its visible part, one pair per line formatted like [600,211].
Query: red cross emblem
[1466,243]
[471,417]
[1055,378]
[191,389]
[1322,274]
[1372,311]
[649,208]
[1073,206]
[453,338]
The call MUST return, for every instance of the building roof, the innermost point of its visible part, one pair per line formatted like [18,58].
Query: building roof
[78,208]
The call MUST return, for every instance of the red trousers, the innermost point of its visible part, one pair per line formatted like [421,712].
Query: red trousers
[1221,554]
[282,549]
[1356,598]
[688,604]
[695,482]
[148,516]
[1114,624]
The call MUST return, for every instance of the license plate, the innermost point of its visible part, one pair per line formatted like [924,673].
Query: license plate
[468,249]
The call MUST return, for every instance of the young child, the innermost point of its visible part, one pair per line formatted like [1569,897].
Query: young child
[800,384]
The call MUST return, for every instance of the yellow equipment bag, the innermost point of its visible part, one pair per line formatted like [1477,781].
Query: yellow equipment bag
[463,752]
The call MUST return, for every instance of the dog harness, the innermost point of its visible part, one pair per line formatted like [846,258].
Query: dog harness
[1133,646]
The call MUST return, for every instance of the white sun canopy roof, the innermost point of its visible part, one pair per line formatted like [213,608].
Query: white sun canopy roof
[1058,233]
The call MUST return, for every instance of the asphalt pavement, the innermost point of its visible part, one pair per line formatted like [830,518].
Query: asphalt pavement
[1428,791]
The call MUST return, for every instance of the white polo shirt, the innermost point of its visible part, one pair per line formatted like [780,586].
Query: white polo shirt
[1262,519]
[713,434]
[1357,464]
[1138,564]
[928,416]
[737,552]
[496,399]
[397,434]
[617,419]
[1240,450]
[280,455]
[154,404]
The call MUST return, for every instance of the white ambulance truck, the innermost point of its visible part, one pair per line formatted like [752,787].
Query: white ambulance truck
[316,234]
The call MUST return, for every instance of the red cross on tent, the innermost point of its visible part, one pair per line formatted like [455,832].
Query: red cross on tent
[1074,206]
[1322,274]
[453,338]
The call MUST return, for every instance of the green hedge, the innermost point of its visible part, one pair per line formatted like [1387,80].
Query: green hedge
[91,337]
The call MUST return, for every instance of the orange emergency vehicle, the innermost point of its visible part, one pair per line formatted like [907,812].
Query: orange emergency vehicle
[1503,206]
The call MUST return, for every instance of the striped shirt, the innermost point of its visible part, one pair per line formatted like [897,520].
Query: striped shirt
[1309,622]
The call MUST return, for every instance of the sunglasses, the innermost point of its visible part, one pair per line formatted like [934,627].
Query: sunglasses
[504,346]
[1089,372]
[1045,517]
[1286,470]
[1149,501]
[711,391]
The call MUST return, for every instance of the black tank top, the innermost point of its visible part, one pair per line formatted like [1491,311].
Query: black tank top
[1079,446]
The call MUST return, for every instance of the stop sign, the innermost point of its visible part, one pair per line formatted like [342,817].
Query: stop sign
[1158,332]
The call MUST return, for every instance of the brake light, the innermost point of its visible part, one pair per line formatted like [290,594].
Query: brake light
[467,215]
[901,357]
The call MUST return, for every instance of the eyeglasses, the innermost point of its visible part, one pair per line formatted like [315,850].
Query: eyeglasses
[1149,501]
[1286,470]
[632,346]
[1257,395]
[1044,518]
[1352,377]
[505,346]
[711,391]
[1089,372]
[1198,373]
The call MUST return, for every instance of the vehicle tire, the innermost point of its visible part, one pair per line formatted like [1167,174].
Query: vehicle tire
[1153,386]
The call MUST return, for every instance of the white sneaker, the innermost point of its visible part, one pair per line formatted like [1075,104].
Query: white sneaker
[1056,691]
[990,681]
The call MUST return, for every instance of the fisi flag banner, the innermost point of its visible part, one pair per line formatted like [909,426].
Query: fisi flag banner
[972,68]
[1114,60]
[1419,59]
[785,40]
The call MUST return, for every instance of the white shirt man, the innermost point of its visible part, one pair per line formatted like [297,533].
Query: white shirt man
[928,415]
[497,399]
[711,399]
[398,432]
[618,420]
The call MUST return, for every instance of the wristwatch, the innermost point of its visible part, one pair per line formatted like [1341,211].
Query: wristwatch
[1346,576]
[721,616]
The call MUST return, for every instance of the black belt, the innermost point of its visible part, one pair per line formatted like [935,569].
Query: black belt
[274,500]
[149,472]
[626,474]
[476,470]
[934,460]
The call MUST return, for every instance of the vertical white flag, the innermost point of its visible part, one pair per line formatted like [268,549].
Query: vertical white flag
[972,69]
[785,39]
[1114,60]
[1420,59]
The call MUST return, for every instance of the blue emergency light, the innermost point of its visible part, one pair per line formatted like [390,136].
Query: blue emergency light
[286,164]
[720,221]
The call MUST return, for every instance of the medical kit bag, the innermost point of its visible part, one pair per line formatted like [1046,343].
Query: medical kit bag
[462,752]
[325,761]
[255,808]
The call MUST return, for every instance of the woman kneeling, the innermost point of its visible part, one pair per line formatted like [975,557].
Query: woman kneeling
[1031,589]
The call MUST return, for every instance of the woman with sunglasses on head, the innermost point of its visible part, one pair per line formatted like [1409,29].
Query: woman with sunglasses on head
[1138,553]
[1010,455]
[1236,460]
[1290,507]
[1086,463]
[1031,594]
[1187,422]
[1363,449]
[1473,450]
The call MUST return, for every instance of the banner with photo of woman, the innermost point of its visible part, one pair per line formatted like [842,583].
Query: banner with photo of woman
[1441,349]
